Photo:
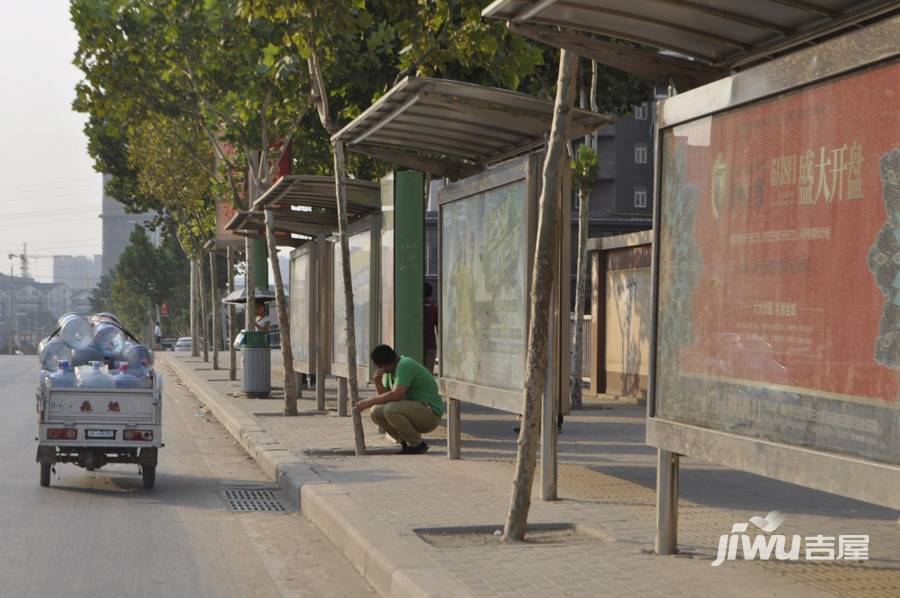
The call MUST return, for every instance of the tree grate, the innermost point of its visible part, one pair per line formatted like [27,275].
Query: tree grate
[246,500]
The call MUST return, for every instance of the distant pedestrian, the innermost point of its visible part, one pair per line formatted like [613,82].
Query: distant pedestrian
[408,402]
[157,335]
[430,317]
[263,321]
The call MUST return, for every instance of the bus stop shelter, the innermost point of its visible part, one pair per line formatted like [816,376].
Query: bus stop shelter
[758,254]
[305,211]
[490,142]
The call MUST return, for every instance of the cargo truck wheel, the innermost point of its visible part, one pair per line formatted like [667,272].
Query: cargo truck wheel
[45,474]
[149,473]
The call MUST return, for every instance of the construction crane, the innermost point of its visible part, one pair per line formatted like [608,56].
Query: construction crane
[23,260]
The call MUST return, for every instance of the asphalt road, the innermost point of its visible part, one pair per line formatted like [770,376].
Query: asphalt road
[98,534]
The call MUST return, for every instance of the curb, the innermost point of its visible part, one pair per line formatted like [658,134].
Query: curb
[393,566]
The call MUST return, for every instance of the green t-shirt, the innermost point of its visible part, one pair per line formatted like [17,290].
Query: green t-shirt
[419,382]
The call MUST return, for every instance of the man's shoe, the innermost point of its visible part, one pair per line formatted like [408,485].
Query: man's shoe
[419,449]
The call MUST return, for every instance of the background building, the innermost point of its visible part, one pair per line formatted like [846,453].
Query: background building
[621,201]
[35,308]
[117,228]
[77,271]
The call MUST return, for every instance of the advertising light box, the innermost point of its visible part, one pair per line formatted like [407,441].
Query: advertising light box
[778,314]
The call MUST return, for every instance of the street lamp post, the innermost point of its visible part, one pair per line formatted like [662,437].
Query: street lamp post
[10,328]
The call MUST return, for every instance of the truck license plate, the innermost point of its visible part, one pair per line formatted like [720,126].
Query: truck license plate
[100,434]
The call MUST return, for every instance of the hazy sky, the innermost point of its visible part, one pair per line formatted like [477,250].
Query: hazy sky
[50,196]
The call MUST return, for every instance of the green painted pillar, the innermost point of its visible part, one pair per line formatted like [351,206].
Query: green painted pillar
[409,263]
[260,252]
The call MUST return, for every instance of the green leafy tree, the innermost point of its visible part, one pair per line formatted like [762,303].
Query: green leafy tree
[145,278]
[101,295]
[201,69]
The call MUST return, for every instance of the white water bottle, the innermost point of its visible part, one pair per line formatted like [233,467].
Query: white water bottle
[51,351]
[109,338]
[76,332]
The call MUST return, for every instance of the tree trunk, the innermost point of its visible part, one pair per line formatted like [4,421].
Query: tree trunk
[287,353]
[359,438]
[541,288]
[203,311]
[214,309]
[320,96]
[195,349]
[581,280]
[232,354]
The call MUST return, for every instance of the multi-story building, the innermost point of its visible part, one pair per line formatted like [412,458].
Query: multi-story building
[117,228]
[80,301]
[621,201]
[35,308]
[77,271]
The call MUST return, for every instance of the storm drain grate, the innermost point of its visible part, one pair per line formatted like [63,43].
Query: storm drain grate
[244,500]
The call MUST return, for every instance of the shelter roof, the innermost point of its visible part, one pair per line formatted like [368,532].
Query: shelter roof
[702,39]
[305,205]
[453,129]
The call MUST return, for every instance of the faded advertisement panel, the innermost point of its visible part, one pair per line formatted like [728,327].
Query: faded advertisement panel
[483,282]
[628,288]
[301,288]
[779,272]
[361,275]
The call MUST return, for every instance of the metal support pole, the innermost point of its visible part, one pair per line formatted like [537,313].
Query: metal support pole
[343,401]
[232,353]
[195,349]
[667,503]
[214,309]
[454,441]
[548,445]
[298,382]
[204,313]
[320,385]
[10,323]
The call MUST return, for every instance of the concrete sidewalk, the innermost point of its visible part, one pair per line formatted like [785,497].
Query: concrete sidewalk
[375,508]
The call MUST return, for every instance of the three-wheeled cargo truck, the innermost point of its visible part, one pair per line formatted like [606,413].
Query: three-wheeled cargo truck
[92,427]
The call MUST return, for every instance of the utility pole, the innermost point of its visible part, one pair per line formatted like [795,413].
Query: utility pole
[10,328]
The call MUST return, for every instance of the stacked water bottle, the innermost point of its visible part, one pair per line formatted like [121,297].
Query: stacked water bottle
[82,351]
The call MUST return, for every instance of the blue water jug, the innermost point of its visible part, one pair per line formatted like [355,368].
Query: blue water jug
[75,331]
[138,356]
[123,379]
[109,339]
[51,351]
[94,375]
[87,355]
[63,377]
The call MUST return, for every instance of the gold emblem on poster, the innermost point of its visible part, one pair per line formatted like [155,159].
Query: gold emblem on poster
[719,184]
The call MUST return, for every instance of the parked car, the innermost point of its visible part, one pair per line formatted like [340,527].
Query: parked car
[168,344]
[184,343]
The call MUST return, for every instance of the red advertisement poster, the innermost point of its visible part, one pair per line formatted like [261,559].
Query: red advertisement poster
[780,263]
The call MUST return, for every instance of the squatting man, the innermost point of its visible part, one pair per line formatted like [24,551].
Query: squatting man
[407,404]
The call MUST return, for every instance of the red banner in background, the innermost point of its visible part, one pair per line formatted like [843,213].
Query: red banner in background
[792,195]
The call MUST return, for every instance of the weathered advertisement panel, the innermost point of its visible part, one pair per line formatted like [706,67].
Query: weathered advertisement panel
[483,286]
[778,314]
[361,274]
[302,293]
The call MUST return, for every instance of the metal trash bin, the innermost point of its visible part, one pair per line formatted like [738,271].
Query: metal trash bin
[257,358]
